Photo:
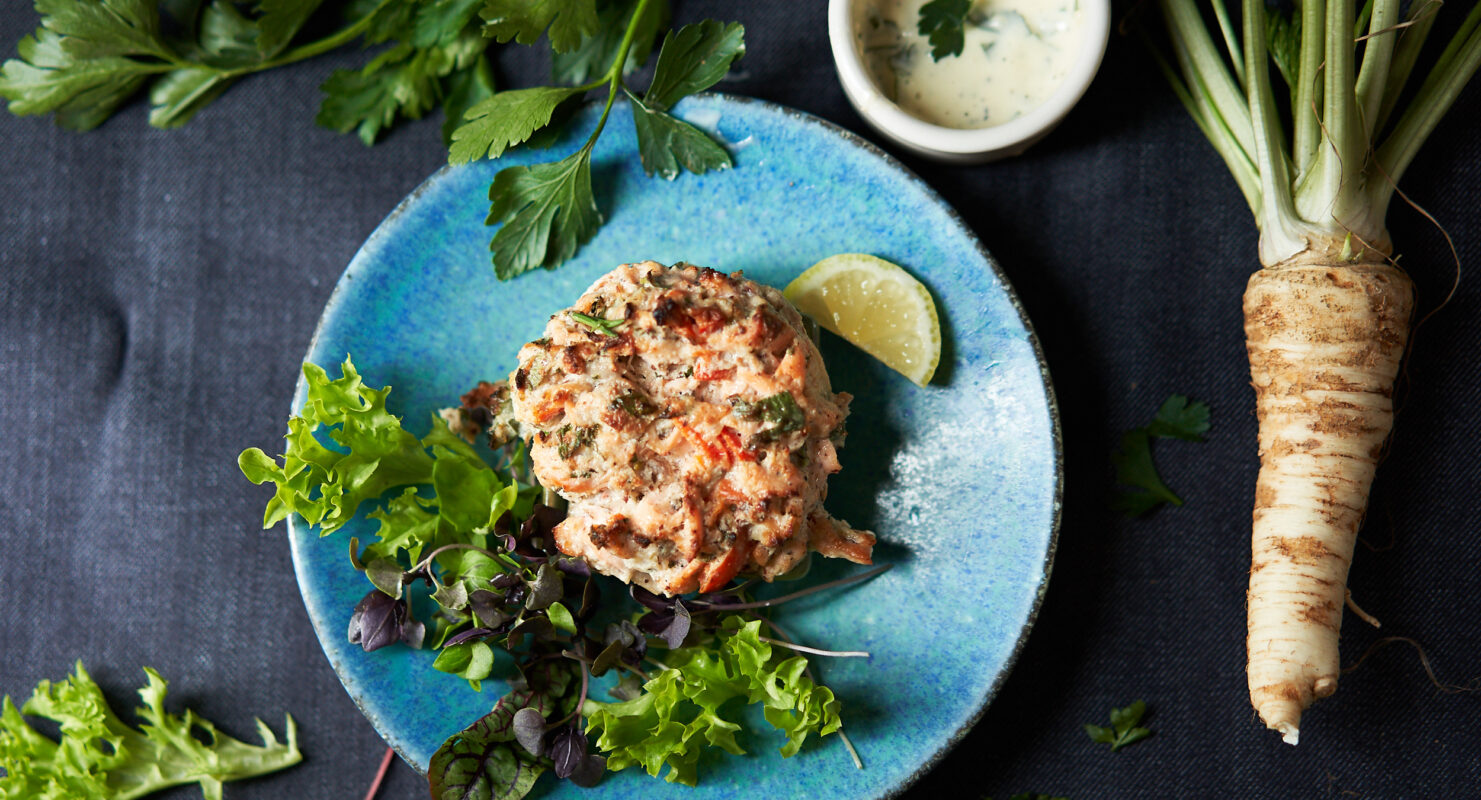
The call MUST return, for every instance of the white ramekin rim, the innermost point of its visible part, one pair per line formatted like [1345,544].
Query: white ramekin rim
[958,144]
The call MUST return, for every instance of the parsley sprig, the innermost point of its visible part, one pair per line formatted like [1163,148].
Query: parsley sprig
[944,22]
[88,57]
[1176,419]
[547,211]
[1125,727]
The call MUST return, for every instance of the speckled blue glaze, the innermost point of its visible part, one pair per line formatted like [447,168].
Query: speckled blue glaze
[961,480]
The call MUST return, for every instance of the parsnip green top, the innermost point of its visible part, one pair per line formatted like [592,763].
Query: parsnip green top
[1016,53]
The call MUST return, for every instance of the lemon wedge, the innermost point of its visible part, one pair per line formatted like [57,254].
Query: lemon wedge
[875,305]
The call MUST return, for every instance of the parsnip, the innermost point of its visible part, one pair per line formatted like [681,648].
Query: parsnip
[1327,318]
[1324,343]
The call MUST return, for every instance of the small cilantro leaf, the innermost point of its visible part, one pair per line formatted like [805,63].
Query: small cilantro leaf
[438,22]
[1125,727]
[1179,419]
[667,143]
[504,120]
[943,23]
[597,52]
[548,211]
[1176,419]
[693,59]
[568,21]
[1134,467]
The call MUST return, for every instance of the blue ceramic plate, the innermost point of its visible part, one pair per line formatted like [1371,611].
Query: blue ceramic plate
[961,480]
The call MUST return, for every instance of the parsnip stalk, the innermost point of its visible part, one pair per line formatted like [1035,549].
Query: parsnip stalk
[1327,317]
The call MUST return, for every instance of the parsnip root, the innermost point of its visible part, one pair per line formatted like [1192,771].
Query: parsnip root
[1325,342]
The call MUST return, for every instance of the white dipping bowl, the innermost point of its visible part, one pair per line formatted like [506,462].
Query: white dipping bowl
[963,145]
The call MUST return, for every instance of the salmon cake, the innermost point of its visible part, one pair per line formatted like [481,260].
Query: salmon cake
[688,420]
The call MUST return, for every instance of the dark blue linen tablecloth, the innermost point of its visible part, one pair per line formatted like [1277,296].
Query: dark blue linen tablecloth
[158,289]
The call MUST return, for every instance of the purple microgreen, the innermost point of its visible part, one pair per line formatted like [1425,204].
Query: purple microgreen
[385,574]
[775,601]
[650,600]
[485,606]
[717,602]
[380,620]
[508,542]
[561,618]
[589,772]
[472,634]
[541,522]
[591,595]
[505,580]
[575,567]
[544,589]
[673,634]
[568,748]
[529,730]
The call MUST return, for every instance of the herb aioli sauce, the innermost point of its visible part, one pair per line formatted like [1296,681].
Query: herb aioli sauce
[1016,53]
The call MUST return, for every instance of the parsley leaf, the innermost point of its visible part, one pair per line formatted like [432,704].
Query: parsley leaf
[1124,728]
[693,59]
[597,52]
[462,90]
[412,76]
[81,62]
[279,23]
[504,120]
[942,21]
[548,211]
[666,143]
[101,756]
[1177,419]
[568,21]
